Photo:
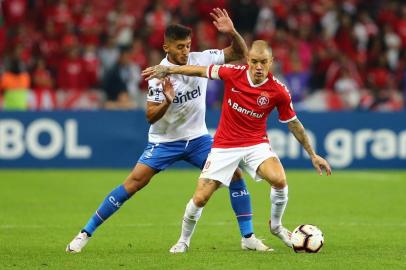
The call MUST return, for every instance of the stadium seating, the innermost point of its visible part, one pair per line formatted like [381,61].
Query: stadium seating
[343,55]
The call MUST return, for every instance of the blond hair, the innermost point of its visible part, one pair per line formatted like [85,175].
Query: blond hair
[260,46]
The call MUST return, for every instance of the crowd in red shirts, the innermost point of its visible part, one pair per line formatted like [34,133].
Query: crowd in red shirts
[332,55]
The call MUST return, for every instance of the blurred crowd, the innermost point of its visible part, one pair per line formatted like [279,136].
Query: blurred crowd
[88,54]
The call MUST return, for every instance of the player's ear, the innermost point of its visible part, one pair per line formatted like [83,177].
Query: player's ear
[165,48]
[270,60]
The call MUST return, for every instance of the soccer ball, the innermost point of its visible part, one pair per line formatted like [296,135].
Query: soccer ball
[307,238]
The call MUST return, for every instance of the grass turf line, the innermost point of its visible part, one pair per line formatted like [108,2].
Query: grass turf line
[360,212]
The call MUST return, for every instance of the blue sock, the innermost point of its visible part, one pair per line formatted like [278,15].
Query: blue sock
[241,203]
[109,206]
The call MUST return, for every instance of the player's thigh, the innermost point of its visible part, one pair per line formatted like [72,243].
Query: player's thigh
[221,164]
[198,149]
[273,172]
[255,156]
[159,156]
[139,177]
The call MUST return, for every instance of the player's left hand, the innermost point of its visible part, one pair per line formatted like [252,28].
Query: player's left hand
[320,163]
[168,92]
[158,72]
[222,21]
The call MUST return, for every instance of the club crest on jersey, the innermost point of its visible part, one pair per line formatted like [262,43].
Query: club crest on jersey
[262,100]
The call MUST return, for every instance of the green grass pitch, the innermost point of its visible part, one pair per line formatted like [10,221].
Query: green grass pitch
[362,215]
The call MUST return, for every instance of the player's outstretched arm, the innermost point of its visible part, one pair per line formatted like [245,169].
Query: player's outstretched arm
[238,49]
[299,132]
[160,72]
[155,111]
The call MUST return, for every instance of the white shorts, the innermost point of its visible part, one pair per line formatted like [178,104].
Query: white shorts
[221,163]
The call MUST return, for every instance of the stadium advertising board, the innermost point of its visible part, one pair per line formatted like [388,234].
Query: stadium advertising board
[116,139]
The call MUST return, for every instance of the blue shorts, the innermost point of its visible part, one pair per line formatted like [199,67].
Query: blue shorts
[159,156]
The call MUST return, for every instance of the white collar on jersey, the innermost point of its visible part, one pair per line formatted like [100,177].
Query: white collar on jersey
[255,85]
[167,63]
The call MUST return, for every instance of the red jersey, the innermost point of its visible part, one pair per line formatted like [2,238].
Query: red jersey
[246,106]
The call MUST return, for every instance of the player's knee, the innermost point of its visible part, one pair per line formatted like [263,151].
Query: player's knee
[279,181]
[200,200]
[134,183]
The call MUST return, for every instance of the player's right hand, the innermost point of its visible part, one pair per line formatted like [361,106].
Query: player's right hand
[222,21]
[158,72]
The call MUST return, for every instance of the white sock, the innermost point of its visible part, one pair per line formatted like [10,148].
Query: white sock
[279,200]
[192,215]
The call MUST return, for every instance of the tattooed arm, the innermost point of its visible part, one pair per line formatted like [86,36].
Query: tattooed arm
[299,132]
[160,72]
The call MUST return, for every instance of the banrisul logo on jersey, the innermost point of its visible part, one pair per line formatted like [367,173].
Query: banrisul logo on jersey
[240,109]
[188,95]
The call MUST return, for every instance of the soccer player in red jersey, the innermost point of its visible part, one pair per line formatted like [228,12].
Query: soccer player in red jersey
[251,93]
[178,132]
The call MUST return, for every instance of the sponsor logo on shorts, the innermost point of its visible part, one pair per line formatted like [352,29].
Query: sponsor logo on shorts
[148,154]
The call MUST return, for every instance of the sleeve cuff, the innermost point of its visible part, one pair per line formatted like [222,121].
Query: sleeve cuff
[287,121]
[213,72]
[208,71]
